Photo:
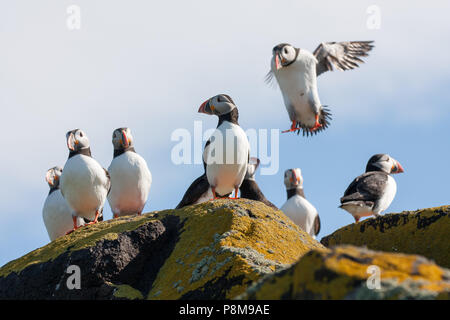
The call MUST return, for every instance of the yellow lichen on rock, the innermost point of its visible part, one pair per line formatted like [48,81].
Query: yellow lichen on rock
[342,273]
[233,242]
[424,232]
[81,238]
[124,291]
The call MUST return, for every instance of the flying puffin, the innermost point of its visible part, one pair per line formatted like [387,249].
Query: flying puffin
[84,182]
[296,72]
[227,151]
[249,188]
[300,210]
[56,212]
[372,192]
[130,177]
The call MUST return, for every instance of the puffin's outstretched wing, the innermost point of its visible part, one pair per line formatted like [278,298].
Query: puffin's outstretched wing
[367,187]
[195,191]
[341,55]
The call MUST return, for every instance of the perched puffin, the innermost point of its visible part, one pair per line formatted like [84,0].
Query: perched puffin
[198,192]
[300,210]
[130,177]
[227,151]
[296,72]
[84,182]
[249,188]
[56,212]
[372,192]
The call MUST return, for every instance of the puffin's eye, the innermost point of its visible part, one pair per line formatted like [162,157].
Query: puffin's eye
[81,134]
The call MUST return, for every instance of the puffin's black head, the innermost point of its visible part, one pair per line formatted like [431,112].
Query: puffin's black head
[52,176]
[122,138]
[218,105]
[77,140]
[383,162]
[283,55]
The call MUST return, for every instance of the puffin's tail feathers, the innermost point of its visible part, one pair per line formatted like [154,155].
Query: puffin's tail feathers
[324,120]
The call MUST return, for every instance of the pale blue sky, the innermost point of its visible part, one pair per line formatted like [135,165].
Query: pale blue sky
[149,67]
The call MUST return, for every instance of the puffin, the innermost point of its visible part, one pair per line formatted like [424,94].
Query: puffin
[249,188]
[56,213]
[130,176]
[297,208]
[372,192]
[84,182]
[296,71]
[227,152]
[198,192]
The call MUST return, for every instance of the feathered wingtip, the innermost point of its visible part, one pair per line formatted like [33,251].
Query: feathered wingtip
[325,118]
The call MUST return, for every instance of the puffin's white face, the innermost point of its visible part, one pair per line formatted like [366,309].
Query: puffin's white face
[252,165]
[386,163]
[283,55]
[293,178]
[52,176]
[217,105]
[122,138]
[77,140]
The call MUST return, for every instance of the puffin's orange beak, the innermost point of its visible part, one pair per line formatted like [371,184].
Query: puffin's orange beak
[399,168]
[202,107]
[277,62]
[125,141]
[71,142]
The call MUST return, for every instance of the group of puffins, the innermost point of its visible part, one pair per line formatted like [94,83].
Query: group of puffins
[79,191]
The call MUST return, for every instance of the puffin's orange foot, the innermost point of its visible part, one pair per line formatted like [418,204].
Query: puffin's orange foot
[69,232]
[317,124]
[236,190]
[293,127]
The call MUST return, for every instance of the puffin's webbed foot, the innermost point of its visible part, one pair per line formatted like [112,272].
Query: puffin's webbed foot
[293,127]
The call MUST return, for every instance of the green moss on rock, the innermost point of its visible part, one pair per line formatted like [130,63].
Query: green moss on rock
[424,232]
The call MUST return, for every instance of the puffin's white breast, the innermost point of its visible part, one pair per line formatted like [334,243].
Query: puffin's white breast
[226,157]
[298,85]
[130,183]
[84,185]
[302,212]
[57,215]
[388,196]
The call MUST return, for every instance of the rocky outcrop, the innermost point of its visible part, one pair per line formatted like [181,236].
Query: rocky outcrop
[425,232]
[214,250]
[344,272]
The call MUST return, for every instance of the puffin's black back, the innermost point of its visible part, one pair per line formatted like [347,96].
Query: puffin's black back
[194,192]
[250,190]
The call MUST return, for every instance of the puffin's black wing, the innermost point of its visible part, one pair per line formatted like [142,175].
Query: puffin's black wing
[367,187]
[194,192]
[316,225]
[341,55]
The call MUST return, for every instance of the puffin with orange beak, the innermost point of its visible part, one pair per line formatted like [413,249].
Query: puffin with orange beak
[296,207]
[372,192]
[227,151]
[130,176]
[296,71]
[84,182]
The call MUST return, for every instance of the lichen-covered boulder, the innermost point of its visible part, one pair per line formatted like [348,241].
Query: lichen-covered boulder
[425,232]
[343,273]
[214,250]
